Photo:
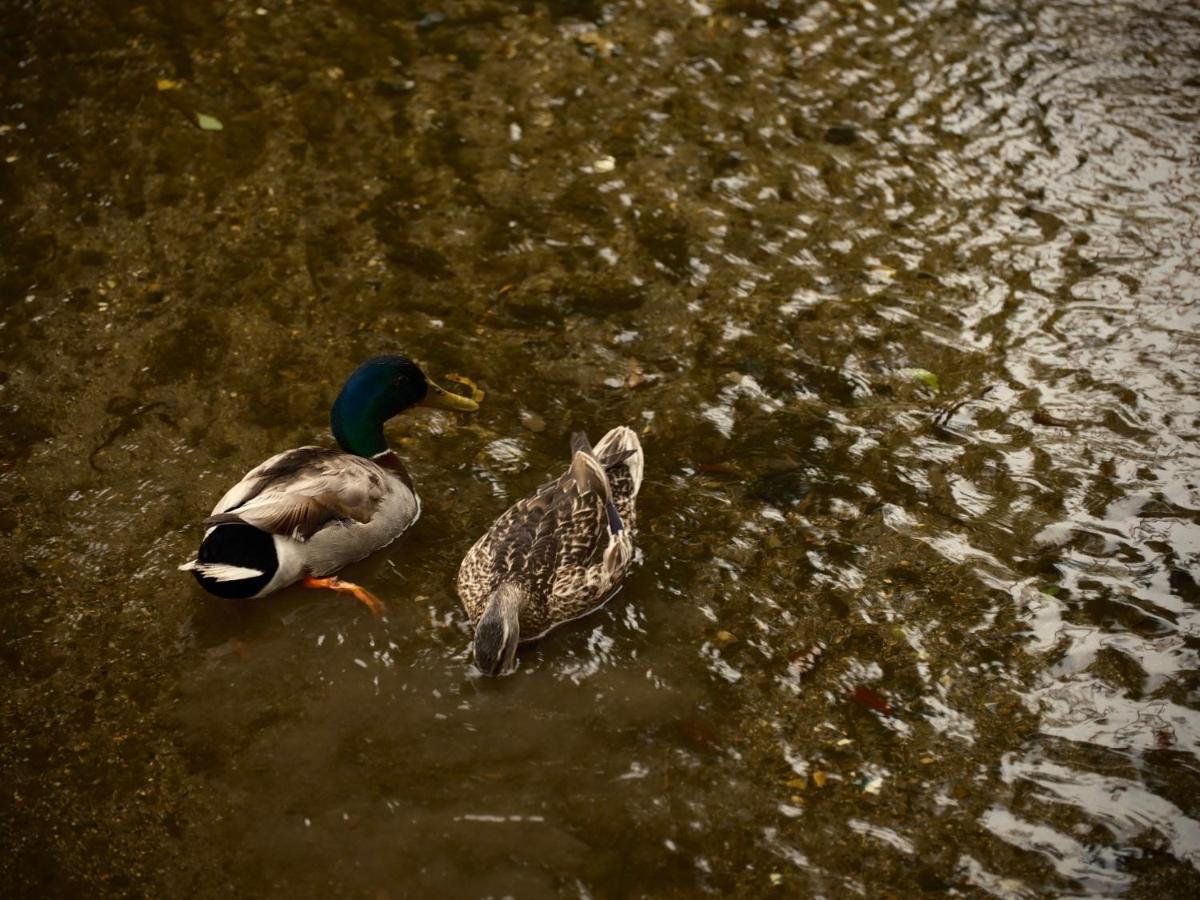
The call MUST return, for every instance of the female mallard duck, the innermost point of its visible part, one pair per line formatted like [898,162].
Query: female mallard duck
[305,513]
[558,554]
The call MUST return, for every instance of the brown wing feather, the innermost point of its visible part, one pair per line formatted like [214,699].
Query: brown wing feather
[559,544]
[560,528]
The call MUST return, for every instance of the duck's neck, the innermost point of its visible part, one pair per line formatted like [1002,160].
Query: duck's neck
[358,430]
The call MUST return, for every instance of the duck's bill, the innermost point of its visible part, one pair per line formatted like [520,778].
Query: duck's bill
[440,398]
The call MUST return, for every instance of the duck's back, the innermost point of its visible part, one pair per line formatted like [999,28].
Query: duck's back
[321,510]
[554,543]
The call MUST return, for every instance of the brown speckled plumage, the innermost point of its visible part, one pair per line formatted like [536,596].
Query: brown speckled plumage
[558,543]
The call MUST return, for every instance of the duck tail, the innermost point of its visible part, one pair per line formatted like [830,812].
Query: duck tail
[591,477]
[622,447]
[581,444]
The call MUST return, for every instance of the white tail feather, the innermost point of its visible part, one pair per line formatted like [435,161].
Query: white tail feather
[221,571]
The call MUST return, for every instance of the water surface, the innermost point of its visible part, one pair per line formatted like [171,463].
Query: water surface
[903,299]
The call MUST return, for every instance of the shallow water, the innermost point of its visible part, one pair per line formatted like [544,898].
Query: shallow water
[903,299]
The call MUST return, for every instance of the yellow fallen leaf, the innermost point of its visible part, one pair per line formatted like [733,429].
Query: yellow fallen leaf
[476,394]
[927,378]
[818,778]
[166,84]
[798,783]
[209,123]
[636,376]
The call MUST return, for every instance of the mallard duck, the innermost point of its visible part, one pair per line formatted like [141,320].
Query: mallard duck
[306,513]
[556,555]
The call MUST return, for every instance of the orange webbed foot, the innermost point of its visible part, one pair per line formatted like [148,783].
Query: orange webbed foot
[373,603]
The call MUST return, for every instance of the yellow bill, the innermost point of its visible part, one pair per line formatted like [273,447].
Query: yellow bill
[440,398]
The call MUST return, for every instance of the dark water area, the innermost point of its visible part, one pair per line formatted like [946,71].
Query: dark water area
[903,299]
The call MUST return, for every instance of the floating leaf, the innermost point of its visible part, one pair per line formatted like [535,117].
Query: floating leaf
[927,378]
[1041,417]
[872,784]
[599,44]
[719,468]
[209,123]
[532,421]
[636,374]
[868,698]
[476,394]
[166,84]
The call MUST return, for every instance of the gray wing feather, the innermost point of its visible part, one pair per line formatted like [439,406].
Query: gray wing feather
[298,493]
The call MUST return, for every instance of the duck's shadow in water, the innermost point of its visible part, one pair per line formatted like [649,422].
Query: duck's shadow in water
[217,622]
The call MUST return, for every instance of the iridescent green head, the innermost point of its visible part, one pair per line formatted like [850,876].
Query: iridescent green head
[379,389]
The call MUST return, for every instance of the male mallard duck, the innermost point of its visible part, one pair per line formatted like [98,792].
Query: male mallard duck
[305,513]
[558,554]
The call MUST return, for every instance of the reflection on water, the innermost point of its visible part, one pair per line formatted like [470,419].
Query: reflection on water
[903,299]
